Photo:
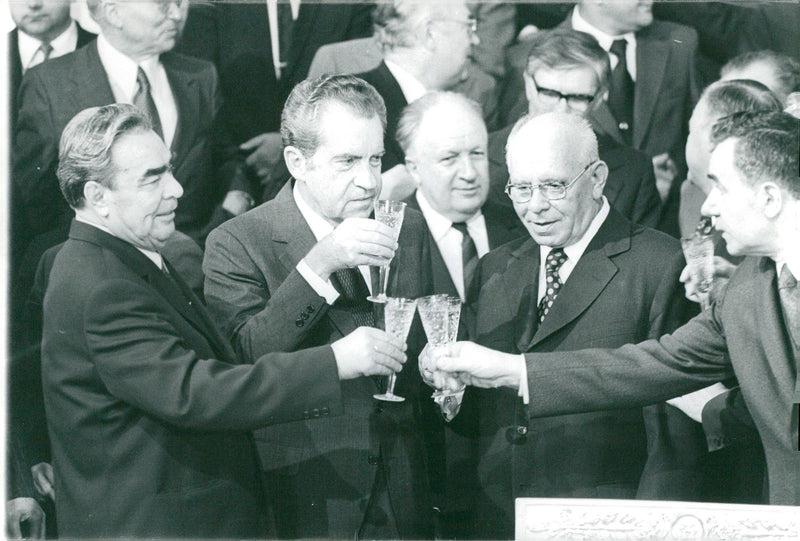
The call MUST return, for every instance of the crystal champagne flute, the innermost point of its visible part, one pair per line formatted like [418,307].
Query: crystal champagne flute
[398,315]
[389,213]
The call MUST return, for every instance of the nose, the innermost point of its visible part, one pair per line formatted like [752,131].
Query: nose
[466,169]
[711,205]
[538,203]
[35,4]
[175,10]
[367,177]
[173,188]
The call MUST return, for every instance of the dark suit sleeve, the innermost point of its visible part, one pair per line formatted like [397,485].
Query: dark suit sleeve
[727,421]
[256,318]
[35,153]
[142,360]
[692,357]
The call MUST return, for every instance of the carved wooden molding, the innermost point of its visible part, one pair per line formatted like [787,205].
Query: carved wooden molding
[590,519]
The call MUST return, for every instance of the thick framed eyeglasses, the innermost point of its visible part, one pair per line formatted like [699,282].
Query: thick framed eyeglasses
[578,102]
[522,193]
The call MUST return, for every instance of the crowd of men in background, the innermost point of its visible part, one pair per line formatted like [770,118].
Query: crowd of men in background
[192,243]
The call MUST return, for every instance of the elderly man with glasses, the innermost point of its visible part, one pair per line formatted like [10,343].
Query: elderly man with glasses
[585,276]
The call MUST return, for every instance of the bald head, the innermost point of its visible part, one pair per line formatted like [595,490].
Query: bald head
[556,179]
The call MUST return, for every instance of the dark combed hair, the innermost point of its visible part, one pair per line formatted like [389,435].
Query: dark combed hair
[562,48]
[300,116]
[724,98]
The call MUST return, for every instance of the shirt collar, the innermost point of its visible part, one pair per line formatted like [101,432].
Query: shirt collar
[575,250]
[155,257]
[121,69]
[320,227]
[410,85]
[605,40]
[64,43]
[439,225]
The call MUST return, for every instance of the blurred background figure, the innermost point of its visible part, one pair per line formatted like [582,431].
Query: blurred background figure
[778,72]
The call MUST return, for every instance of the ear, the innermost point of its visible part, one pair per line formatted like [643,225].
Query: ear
[413,170]
[770,199]
[96,196]
[111,14]
[598,179]
[530,88]
[296,162]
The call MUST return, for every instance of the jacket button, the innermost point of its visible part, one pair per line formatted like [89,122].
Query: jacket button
[306,415]
[372,460]
[299,322]
[325,411]
[304,316]
[310,309]
[315,412]
[522,430]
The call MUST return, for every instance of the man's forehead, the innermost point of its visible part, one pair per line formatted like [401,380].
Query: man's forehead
[583,76]
[440,132]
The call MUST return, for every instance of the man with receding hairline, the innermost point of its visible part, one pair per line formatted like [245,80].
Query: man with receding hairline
[584,275]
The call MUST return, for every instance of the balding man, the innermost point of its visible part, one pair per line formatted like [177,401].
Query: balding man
[584,276]
[444,138]
[130,62]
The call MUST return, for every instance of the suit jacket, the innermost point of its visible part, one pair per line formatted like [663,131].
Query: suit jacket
[630,188]
[623,289]
[15,66]
[236,38]
[148,408]
[51,94]
[743,334]
[502,225]
[263,304]
[386,85]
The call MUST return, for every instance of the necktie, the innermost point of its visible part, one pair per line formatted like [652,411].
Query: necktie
[353,294]
[46,49]
[144,101]
[554,260]
[620,96]
[285,28]
[790,301]
[469,254]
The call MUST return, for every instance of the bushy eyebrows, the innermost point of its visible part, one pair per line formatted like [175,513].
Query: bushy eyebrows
[157,171]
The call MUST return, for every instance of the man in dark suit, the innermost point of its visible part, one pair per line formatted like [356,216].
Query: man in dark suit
[293,274]
[564,70]
[653,86]
[129,63]
[751,331]
[426,46]
[585,276]
[261,50]
[444,140]
[148,407]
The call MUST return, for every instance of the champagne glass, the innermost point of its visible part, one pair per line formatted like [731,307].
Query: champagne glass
[398,315]
[435,312]
[390,213]
[699,252]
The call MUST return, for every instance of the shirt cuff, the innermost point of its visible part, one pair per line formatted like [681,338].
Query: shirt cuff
[523,380]
[323,288]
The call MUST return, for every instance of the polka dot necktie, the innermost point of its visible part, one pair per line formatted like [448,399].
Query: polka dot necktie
[554,260]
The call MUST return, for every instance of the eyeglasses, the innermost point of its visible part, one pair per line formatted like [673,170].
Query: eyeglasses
[471,23]
[548,96]
[522,193]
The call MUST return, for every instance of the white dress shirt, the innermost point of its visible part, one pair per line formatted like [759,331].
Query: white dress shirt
[121,71]
[30,53]
[573,251]
[410,85]
[605,41]
[274,38]
[448,240]
[321,228]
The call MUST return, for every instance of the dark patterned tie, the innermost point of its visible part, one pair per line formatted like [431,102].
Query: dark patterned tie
[620,95]
[47,50]
[790,301]
[469,254]
[353,295]
[554,260]
[143,99]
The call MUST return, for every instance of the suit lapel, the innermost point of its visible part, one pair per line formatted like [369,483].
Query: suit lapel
[521,282]
[589,277]
[296,239]
[603,121]
[652,55]
[88,67]
[187,101]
